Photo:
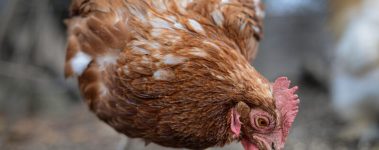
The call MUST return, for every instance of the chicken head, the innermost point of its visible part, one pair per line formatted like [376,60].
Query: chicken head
[265,130]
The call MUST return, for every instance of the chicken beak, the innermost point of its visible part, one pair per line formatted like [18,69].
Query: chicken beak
[248,145]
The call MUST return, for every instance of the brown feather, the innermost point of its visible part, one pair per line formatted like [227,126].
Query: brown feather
[165,70]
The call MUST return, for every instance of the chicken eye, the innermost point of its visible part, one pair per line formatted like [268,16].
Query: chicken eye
[262,122]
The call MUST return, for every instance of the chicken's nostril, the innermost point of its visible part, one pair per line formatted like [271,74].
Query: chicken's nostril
[273,146]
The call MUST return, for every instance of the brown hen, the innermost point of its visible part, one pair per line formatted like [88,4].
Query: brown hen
[177,72]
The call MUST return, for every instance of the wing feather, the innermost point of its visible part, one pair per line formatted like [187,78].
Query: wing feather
[240,20]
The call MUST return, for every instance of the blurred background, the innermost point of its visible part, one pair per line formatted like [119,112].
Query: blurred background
[330,48]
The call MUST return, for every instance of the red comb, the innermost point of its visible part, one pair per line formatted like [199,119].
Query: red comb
[287,102]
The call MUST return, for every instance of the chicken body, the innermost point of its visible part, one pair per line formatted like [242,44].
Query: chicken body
[172,71]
